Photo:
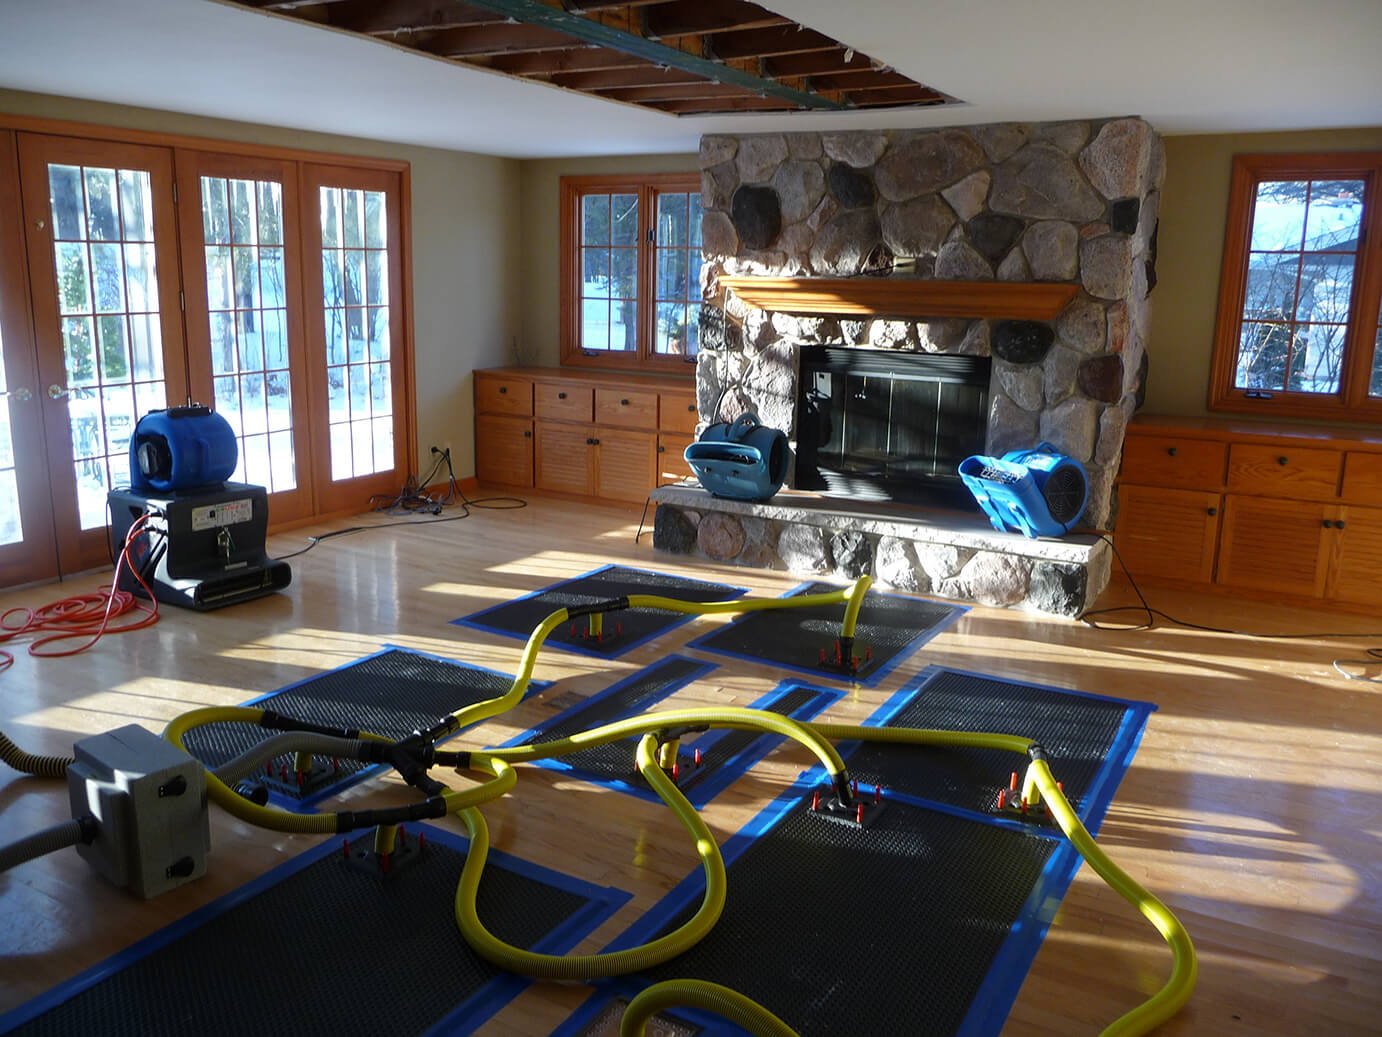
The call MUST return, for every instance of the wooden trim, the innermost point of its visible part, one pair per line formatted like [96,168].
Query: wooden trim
[35,557]
[1352,402]
[899,297]
[647,186]
[158,138]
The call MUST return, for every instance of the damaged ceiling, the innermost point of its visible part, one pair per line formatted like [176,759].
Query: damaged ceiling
[684,57]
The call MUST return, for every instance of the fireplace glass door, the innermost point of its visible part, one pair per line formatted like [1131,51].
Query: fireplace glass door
[877,425]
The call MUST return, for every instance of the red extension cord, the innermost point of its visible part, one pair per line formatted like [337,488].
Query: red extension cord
[82,615]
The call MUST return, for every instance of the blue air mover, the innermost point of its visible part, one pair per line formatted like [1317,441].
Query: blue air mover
[202,542]
[1034,492]
[181,448]
[742,460]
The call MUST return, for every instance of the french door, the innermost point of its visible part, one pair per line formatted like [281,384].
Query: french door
[135,277]
[103,272]
[28,550]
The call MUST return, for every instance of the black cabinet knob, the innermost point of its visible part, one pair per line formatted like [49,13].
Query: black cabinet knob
[527,433]
[503,389]
[1327,524]
[691,408]
[1339,524]
[561,395]
[1281,460]
[596,442]
[1171,451]
[623,403]
[1214,511]
[661,449]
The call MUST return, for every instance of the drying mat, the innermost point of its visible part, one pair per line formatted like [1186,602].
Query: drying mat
[393,693]
[623,630]
[1089,740]
[724,755]
[320,948]
[922,923]
[889,627]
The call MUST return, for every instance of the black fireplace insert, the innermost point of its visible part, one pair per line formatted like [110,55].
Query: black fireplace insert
[878,425]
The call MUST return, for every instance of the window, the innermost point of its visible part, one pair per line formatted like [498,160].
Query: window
[631,270]
[1298,327]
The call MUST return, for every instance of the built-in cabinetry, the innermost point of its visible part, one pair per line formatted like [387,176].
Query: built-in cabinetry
[1288,511]
[590,434]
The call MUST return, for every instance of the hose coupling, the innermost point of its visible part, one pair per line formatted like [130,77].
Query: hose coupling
[1036,752]
[675,734]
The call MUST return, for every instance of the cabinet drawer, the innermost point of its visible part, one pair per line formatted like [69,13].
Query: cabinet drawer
[1178,463]
[503,395]
[1362,478]
[627,408]
[563,402]
[1284,471]
[677,412]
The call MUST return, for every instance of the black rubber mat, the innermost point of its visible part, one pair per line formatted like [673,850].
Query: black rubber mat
[327,951]
[623,630]
[1077,731]
[393,693]
[806,639]
[617,761]
[885,929]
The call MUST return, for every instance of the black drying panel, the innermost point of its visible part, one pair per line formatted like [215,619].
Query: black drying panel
[393,693]
[317,955]
[888,929]
[623,630]
[888,627]
[1077,731]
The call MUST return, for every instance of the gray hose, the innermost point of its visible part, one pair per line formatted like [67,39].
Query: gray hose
[49,840]
[43,766]
[257,755]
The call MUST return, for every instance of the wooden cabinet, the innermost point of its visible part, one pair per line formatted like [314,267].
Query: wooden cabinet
[1290,512]
[605,436]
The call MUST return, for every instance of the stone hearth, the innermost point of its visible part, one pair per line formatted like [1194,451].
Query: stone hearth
[940,553]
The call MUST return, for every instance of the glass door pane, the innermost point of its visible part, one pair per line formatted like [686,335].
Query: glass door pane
[104,275]
[362,432]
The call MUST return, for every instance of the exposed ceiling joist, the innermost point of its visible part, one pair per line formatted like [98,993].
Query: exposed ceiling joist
[604,79]
[502,38]
[397,17]
[707,16]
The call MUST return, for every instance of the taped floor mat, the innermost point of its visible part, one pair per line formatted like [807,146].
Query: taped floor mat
[321,947]
[922,922]
[620,631]
[1089,740]
[393,693]
[707,762]
[807,639]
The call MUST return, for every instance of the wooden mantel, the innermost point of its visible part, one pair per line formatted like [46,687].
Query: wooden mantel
[901,297]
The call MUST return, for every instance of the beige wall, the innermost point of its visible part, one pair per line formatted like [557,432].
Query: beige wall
[466,229]
[540,179]
[1190,243]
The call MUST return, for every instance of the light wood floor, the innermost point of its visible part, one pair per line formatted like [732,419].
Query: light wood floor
[1252,807]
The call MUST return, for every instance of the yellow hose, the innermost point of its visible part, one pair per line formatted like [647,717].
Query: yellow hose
[694,993]
[590,966]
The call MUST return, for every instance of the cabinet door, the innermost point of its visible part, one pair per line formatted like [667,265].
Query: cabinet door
[671,459]
[565,457]
[1356,569]
[1168,534]
[503,450]
[1275,545]
[627,465]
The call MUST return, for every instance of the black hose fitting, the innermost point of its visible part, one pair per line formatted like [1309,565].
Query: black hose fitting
[349,820]
[842,792]
[674,734]
[610,605]
[1036,752]
[90,828]
[460,759]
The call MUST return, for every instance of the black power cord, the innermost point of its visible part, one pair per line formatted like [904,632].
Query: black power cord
[1374,654]
[415,497]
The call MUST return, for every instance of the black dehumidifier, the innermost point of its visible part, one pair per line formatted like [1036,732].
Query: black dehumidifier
[203,544]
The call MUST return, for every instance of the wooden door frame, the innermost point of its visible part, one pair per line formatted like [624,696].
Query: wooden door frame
[190,166]
[331,495]
[84,549]
[36,556]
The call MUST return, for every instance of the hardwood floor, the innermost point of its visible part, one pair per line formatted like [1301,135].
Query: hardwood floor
[1251,807]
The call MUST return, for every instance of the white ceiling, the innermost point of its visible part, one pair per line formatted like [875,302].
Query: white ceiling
[1187,66]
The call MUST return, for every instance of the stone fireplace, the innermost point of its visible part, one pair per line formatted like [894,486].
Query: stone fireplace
[1000,209]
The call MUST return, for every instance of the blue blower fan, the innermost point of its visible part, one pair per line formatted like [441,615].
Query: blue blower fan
[1034,492]
[742,460]
[181,448]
